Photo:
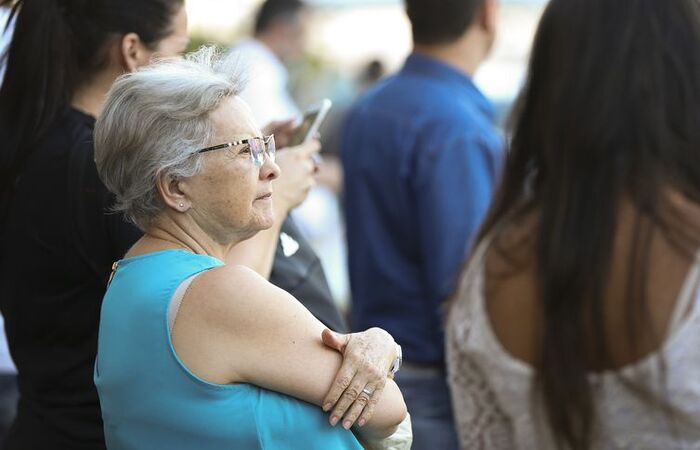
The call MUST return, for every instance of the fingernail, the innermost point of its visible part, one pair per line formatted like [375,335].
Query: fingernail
[347,424]
[327,407]
[361,422]
[334,420]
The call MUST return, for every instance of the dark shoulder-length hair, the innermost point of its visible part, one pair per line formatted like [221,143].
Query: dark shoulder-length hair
[610,111]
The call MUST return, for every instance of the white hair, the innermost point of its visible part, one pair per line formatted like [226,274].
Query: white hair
[153,122]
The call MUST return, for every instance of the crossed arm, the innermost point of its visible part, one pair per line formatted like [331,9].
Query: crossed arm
[367,355]
[234,326]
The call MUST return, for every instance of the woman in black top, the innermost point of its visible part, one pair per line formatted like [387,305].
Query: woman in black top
[57,242]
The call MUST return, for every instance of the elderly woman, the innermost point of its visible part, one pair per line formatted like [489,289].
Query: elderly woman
[194,352]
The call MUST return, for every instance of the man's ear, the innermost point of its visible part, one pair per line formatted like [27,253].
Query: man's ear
[134,53]
[488,16]
[171,193]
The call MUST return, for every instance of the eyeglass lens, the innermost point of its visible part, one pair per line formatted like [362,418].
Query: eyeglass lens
[258,146]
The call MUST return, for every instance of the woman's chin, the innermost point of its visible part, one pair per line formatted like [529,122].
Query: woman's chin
[266,220]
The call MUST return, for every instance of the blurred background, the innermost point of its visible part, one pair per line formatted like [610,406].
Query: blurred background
[350,44]
[345,36]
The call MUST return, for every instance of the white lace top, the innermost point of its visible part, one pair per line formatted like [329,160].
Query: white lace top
[491,390]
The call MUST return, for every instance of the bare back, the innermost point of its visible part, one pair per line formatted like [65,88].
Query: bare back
[515,311]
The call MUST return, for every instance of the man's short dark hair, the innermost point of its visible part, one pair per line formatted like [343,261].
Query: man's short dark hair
[440,21]
[272,10]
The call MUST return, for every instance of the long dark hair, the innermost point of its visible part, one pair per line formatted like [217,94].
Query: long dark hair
[56,46]
[609,112]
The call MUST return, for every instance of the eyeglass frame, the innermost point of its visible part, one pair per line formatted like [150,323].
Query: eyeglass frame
[268,142]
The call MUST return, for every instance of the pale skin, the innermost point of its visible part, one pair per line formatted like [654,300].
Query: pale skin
[233,326]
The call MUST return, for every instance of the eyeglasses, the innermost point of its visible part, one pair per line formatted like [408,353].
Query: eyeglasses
[257,145]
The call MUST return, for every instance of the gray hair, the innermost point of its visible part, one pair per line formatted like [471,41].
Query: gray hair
[153,122]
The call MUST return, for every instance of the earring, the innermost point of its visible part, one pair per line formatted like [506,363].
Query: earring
[182,205]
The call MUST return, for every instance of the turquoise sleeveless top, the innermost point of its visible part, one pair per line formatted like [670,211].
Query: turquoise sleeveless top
[151,401]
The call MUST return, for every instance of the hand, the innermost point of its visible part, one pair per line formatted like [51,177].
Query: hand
[296,177]
[367,358]
[283,131]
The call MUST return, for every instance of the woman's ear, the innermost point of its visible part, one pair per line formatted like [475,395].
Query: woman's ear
[171,194]
[134,52]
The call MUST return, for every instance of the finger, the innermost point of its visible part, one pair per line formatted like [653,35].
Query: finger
[361,403]
[347,398]
[368,411]
[334,340]
[341,382]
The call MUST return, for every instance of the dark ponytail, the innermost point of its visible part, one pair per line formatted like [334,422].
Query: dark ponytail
[39,78]
[58,45]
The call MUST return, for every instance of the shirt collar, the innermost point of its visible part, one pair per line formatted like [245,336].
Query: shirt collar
[436,69]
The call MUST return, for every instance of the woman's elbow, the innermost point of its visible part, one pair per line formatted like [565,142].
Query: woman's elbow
[394,413]
[401,412]
[398,417]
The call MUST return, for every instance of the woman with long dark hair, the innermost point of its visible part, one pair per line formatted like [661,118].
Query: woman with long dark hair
[57,242]
[577,324]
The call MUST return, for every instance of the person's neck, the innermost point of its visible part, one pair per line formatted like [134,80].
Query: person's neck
[90,97]
[269,40]
[170,232]
[465,54]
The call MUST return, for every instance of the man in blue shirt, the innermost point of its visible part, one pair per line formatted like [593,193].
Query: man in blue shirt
[421,158]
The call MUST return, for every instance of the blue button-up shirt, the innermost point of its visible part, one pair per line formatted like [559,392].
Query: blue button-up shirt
[421,158]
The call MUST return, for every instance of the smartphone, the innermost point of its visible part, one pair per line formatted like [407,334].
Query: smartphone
[311,122]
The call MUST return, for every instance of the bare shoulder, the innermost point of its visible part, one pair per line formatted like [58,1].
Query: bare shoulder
[228,294]
[229,279]
[237,295]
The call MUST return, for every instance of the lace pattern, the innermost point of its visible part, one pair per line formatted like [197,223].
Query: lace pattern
[491,390]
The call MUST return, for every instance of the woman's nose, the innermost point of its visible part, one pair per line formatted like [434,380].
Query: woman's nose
[269,170]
